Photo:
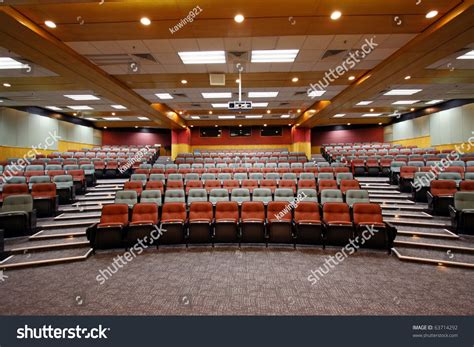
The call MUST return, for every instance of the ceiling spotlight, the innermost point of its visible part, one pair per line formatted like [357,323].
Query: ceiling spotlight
[295,79]
[336,15]
[380,123]
[237,81]
[239,18]
[105,127]
[432,14]
[348,123]
[136,126]
[216,125]
[192,126]
[113,113]
[299,111]
[184,81]
[412,109]
[240,125]
[371,110]
[297,124]
[407,77]
[264,125]
[351,78]
[289,125]
[145,21]
[210,112]
[7,85]
[50,24]
[74,114]
[268,111]
[180,112]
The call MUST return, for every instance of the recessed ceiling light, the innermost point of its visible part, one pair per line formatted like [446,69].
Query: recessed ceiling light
[112,118]
[145,21]
[380,123]
[262,94]
[289,125]
[468,55]
[80,108]
[432,102]
[239,18]
[205,57]
[113,113]
[348,123]
[164,96]
[403,91]
[268,111]
[260,104]
[407,77]
[240,125]
[105,127]
[351,78]
[195,117]
[91,119]
[82,97]
[432,14]
[336,15]
[225,95]
[216,125]
[264,125]
[315,93]
[412,109]
[274,56]
[339,115]
[7,85]
[74,114]
[184,82]
[180,112]
[372,110]
[226,117]
[53,108]
[237,80]
[210,112]
[136,126]
[50,24]
[297,124]
[7,63]
[119,107]
[364,103]
[192,126]
[299,111]
[371,114]
[143,118]
[219,105]
[285,116]
[295,79]
[405,102]
[253,116]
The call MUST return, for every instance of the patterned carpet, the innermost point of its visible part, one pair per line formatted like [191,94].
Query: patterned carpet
[225,281]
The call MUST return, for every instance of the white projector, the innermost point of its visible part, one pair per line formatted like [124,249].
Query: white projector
[240,105]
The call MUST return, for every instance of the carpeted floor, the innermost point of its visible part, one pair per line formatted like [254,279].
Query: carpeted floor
[252,281]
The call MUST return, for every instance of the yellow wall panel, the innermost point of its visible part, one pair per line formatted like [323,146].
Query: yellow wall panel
[18,152]
[302,147]
[422,142]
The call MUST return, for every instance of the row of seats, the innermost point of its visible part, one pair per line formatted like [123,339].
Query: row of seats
[62,186]
[441,194]
[462,212]
[308,223]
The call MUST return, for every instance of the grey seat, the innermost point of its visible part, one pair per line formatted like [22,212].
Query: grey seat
[284,165]
[197,194]
[256,176]
[240,176]
[325,176]
[158,177]
[357,195]
[175,177]
[16,180]
[455,176]
[271,165]
[469,176]
[17,217]
[224,176]
[208,177]
[63,181]
[331,195]
[70,167]
[88,169]
[139,178]
[39,179]
[218,194]
[34,168]
[416,163]
[307,176]
[191,177]
[152,196]
[171,166]
[308,194]
[175,195]
[262,194]
[53,168]
[159,166]
[272,176]
[284,194]
[395,166]
[343,176]
[240,195]
[289,176]
[128,197]
[323,164]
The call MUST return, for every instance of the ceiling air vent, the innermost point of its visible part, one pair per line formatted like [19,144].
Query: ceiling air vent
[179,95]
[301,93]
[195,105]
[217,79]
[146,56]
[332,52]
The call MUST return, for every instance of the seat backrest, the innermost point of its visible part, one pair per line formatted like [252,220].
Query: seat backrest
[466,185]
[367,213]
[151,196]
[262,194]
[307,176]
[174,185]
[15,189]
[253,210]
[331,195]
[153,185]
[288,176]
[456,176]
[327,184]
[43,190]
[173,211]
[344,176]
[16,180]
[200,210]
[357,195]
[443,187]
[227,210]
[469,176]
[309,194]
[175,195]
[325,176]
[273,176]
[145,212]
[307,210]
[175,177]
[18,203]
[284,194]
[278,210]
[240,195]
[134,185]
[349,184]
[336,212]
[268,183]
[114,213]
[138,177]
[157,177]
[303,183]
[129,197]
[218,194]
[464,201]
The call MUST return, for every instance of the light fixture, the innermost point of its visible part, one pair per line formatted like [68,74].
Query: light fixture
[82,97]
[80,108]
[371,114]
[299,111]
[113,113]
[164,96]
[204,57]
[253,116]
[371,110]
[112,118]
[239,18]
[216,125]
[74,114]
[403,91]
[412,109]
[336,15]
[315,93]
[268,111]
[105,127]
[289,125]
[431,14]
[364,103]
[91,119]
[53,108]
[143,118]
[180,112]
[407,77]
[145,21]
[195,117]
[184,126]
[136,126]
[380,123]
[351,78]
[226,117]
[432,102]
[260,104]
[274,56]
[225,95]
[50,24]
[218,105]
[7,63]
[210,112]
[468,55]
[192,126]
[295,79]
[262,94]
[240,125]
[405,102]
[237,80]
[348,123]
[184,82]
[7,85]
[119,107]
[285,116]
[297,125]
[339,115]
[264,125]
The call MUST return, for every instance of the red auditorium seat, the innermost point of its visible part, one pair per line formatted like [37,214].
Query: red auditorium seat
[193,184]
[143,172]
[109,232]
[45,199]
[306,184]
[173,220]
[155,185]
[230,184]
[349,184]
[14,189]
[175,185]
[279,226]
[144,222]
[307,219]
[134,185]
[441,195]
[52,173]
[226,221]
[467,185]
[458,169]
[291,184]
[211,184]
[252,222]
[337,220]
[341,170]
[407,174]
[271,184]
[250,185]
[200,221]
[327,184]
[79,178]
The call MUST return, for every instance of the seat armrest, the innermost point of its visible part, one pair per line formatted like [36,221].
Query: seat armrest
[452,211]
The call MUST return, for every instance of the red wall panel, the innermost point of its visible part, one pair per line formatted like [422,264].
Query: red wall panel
[371,134]
[254,139]
[111,137]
